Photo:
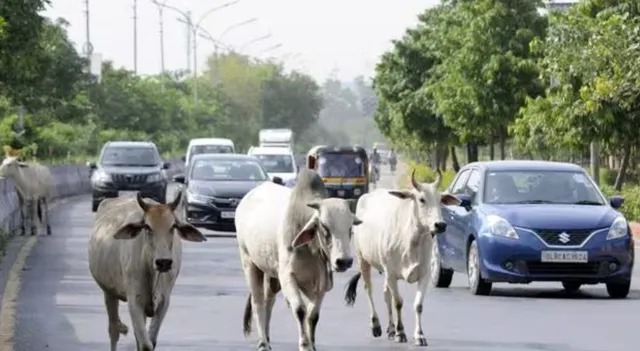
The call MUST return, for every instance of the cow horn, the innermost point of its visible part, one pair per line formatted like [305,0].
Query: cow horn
[176,201]
[143,205]
[413,180]
[436,183]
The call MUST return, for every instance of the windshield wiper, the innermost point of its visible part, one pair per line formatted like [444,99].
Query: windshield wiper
[587,202]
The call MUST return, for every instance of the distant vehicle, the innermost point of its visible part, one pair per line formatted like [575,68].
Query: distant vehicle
[279,137]
[525,221]
[215,184]
[128,167]
[208,146]
[278,161]
[344,170]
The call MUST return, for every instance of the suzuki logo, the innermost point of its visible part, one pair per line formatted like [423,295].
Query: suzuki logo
[564,237]
[234,202]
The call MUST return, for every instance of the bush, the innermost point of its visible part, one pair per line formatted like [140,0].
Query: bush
[631,194]
[425,174]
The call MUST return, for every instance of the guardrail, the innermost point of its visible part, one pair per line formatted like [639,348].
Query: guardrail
[68,180]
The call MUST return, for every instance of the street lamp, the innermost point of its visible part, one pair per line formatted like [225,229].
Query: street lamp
[234,26]
[216,42]
[271,48]
[245,45]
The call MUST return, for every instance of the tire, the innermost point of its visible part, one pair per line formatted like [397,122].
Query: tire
[94,205]
[440,277]
[477,284]
[571,287]
[162,198]
[619,290]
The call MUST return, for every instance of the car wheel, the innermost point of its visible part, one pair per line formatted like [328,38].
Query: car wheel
[94,205]
[477,284]
[162,197]
[571,287]
[440,277]
[619,290]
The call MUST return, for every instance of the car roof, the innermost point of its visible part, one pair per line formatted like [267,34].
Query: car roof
[131,143]
[525,165]
[209,141]
[270,150]
[231,157]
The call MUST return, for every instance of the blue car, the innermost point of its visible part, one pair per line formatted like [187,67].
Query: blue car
[526,221]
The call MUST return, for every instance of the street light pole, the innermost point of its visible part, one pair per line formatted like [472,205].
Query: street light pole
[161,23]
[245,45]
[135,36]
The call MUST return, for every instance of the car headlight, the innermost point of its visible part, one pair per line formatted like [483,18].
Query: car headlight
[618,228]
[357,191]
[198,198]
[500,226]
[154,177]
[100,176]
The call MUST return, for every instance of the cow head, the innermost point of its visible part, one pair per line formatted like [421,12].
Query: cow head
[426,200]
[10,166]
[331,223]
[159,225]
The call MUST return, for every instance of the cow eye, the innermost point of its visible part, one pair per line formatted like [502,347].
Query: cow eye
[422,200]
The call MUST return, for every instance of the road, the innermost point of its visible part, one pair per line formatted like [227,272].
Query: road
[60,307]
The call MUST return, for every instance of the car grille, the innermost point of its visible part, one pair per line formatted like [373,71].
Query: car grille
[573,237]
[225,202]
[129,179]
[553,268]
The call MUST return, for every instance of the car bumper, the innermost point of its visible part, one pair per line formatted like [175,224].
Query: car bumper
[210,216]
[107,190]
[346,192]
[519,260]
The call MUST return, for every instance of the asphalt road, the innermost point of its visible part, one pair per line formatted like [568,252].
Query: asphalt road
[61,308]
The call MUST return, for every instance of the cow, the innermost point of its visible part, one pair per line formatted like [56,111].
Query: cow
[135,254]
[292,239]
[34,190]
[396,239]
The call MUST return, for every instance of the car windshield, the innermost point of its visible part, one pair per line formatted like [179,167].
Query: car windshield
[544,187]
[239,170]
[340,165]
[142,156]
[210,149]
[276,163]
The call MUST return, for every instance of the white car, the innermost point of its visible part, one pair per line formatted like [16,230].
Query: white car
[208,146]
[277,161]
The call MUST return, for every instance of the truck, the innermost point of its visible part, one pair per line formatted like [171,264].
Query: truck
[279,137]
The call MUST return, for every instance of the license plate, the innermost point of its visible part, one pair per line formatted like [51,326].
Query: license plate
[340,192]
[127,193]
[565,256]
[227,215]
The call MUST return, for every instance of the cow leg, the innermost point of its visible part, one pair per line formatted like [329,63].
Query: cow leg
[418,335]
[365,270]
[392,283]
[255,280]
[391,327]
[291,291]
[45,214]
[138,321]
[271,289]
[115,325]
[23,214]
[156,321]
[313,318]
[34,216]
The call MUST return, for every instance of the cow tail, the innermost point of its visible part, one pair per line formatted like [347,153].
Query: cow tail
[352,286]
[246,321]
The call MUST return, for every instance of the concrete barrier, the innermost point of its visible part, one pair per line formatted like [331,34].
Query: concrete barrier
[68,180]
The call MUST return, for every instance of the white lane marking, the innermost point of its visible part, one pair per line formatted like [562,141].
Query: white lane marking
[12,290]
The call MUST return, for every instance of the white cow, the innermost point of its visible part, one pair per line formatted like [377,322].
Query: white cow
[33,185]
[135,255]
[292,239]
[396,239]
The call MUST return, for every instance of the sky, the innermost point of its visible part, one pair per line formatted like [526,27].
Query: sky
[320,37]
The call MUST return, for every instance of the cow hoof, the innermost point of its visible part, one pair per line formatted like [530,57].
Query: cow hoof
[376,330]
[401,337]
[122,328]
[264,346]
[391,332]
[421,341]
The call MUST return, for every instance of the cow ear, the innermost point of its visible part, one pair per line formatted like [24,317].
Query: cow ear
[402,194]
[307,233]
[129,230]
[190,233]
[448,200]
[356,220]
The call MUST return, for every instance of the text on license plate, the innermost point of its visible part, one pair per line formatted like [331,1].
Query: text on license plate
[565,256]
[227,214]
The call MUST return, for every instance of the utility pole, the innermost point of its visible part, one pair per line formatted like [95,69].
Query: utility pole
[189,24]
[135,36]
[160,15]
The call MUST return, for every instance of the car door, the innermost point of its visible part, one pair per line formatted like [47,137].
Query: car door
[446,240]
[460,219]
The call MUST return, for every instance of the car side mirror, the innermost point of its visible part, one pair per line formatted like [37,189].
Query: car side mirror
[184,158]
[277,180]
[91,165]
[179,178]
[616,201]
[465,200]
[166,165]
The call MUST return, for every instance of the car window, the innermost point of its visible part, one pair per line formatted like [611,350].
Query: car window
[123,156]
[276,163]
[458,186]
[235,170]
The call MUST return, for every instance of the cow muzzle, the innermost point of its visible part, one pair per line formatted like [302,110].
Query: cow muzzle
[342,264]
[163,265]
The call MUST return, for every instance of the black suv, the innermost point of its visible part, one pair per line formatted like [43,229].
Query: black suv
[128,166]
